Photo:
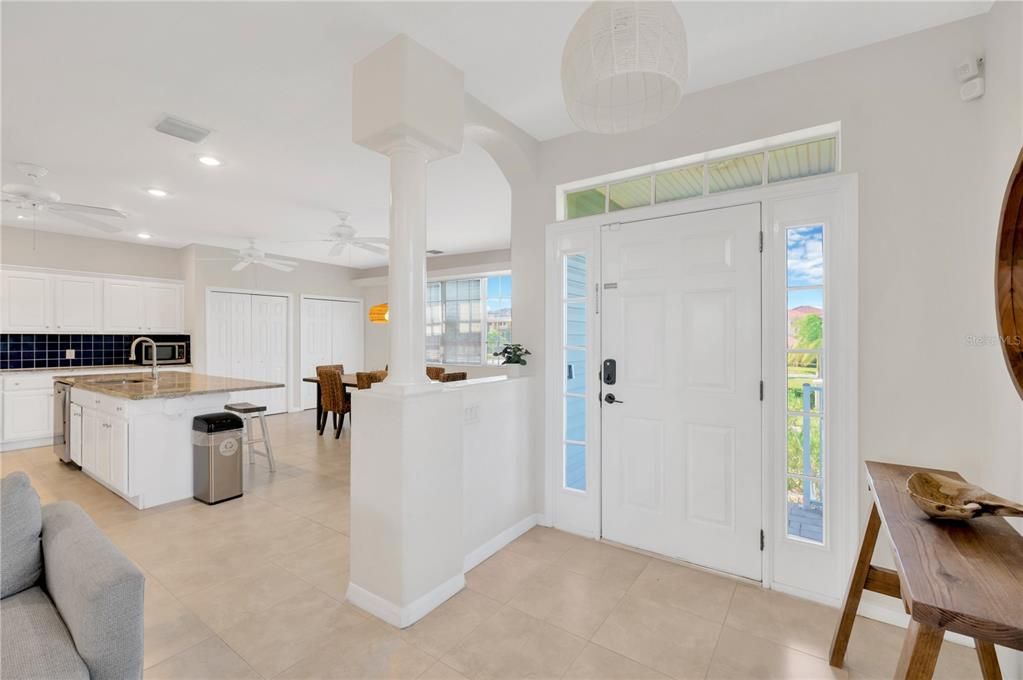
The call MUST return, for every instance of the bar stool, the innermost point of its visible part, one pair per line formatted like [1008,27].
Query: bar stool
[246,411]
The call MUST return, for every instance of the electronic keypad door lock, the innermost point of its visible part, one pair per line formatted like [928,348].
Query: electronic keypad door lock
[609,372]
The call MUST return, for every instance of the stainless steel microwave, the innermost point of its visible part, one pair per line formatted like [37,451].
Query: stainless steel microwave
[166,353]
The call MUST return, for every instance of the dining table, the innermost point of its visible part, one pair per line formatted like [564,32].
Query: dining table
[347,379]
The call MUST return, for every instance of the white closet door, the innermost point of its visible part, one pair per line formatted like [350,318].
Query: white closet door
[316,344]
[346,335]
[240,336]
[218,341]
[269,347]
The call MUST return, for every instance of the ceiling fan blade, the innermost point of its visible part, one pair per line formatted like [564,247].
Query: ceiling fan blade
[311,240]
[89,222]
[87,209]
[241,265]
[339,247]
[279,265]
[370,248]
[382,240]
[216,259]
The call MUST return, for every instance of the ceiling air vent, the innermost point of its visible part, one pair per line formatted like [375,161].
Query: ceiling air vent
[175,127]
[434,252]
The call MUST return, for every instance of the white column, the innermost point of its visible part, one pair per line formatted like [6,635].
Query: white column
[407,271]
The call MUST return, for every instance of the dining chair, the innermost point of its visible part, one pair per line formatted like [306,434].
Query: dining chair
[434,372]
[333,398]
[365,380]
[454,377]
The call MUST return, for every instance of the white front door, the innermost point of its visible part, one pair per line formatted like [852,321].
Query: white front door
[680,317]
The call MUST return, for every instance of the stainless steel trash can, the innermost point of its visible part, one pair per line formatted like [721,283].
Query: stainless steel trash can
[216,457]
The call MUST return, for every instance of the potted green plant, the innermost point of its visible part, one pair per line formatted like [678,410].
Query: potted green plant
[514,354]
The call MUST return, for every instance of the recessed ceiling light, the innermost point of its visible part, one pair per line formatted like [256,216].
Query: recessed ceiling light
[143,235]
[159,193]
[211,161]
[21,217]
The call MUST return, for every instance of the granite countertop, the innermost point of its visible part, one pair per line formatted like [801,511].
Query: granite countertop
[170,385]
[60,369]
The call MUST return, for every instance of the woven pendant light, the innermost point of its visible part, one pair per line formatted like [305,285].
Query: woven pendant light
[625,66]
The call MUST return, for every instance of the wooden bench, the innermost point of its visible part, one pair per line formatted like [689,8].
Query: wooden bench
[965,577]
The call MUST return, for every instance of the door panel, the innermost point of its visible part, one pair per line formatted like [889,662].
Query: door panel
[682,442]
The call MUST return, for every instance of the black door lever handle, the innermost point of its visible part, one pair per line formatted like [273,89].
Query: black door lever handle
[610,398]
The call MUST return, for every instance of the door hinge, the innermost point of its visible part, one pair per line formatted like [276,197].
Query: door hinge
[596,298]
[761,390]
[761,540]
[761,241]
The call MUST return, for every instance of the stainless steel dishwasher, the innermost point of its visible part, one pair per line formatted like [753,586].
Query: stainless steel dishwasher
[62,420]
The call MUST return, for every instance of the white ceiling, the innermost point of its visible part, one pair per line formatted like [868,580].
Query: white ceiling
[83,84]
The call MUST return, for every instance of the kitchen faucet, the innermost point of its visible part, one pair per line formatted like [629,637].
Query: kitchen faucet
[131,356]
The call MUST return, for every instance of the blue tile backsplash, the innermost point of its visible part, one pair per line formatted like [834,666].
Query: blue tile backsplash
[27,350]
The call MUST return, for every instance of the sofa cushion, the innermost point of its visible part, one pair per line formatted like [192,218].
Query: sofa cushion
[35,643]
[21,557]
[97,590]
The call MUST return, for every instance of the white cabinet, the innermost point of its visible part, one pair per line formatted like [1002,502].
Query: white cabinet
[104,452]
[46,302]
[74,434]
[77,304]
[124,306]
[142,307]
[164,308]
[26,302]
[28,414]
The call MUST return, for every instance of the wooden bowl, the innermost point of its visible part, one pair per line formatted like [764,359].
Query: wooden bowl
[946,498]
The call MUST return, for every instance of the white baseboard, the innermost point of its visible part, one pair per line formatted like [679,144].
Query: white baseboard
[497,542]
[403,617]
[26,444]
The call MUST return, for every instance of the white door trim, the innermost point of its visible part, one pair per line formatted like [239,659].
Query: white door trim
[842,287]
[290,380]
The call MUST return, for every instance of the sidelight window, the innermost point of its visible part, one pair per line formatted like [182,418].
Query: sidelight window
[806,461]
[574,301]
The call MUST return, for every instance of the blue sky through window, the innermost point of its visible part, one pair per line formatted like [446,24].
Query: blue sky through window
[805,256]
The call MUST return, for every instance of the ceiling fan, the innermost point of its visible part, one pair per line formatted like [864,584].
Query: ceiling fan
[343,235]
[253,255]
[32,197]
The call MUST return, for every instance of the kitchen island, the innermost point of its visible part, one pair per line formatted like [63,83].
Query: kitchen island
[132,434]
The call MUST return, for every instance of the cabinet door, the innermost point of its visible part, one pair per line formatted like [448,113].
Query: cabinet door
[27,302]
[124,306]
[90,425]
[28,414]
[78,304]
[117,431]
[74,434]
[164,308]
[103,440]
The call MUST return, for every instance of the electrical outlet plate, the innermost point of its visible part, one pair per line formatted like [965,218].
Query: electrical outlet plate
[69,354]
[472,414]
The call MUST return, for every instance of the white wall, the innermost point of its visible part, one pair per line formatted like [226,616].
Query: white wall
[36,248]
[927,224]
[497,463]
[309,278]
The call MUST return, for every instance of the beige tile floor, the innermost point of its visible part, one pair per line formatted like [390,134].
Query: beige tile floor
[255,588]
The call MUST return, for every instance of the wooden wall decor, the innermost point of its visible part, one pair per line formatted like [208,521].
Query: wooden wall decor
[1009,276]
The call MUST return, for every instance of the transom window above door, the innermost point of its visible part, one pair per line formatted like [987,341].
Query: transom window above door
[468,319]
[794,155]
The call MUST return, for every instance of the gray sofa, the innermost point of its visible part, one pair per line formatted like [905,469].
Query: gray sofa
[70,601]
